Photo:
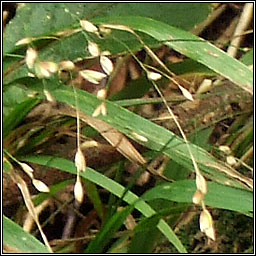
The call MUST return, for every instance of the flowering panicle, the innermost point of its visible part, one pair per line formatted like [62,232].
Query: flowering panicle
[38,184]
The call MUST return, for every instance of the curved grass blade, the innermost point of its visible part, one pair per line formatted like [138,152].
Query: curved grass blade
[169,143]
[218,195]
[17,115]
[189,45]
[111,186]
[44,19]
[22,242]
[108,230]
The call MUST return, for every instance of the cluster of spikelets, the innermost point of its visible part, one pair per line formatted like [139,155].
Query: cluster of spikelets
[38,184]
[45,69]
[205,221]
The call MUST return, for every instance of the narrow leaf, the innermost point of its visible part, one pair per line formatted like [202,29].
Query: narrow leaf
[189,45]
[15,237]
[17,115]
[124,121]
[108,230]
[112,186]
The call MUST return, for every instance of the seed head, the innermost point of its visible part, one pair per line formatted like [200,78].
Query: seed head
[78,190]
[206,224]
[31,56]
[88,26]
[40,186]
[153,76]
[93,49]
[106,64]
[201,183]
[92,76]
[80,160]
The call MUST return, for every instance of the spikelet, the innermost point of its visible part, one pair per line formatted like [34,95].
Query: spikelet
[45,69]
[139,137]
[93,49]
[206,224]
[105,31]
[205,86]
[201,183]
[153,76]
[90,144]
[27,169]
[88,26]
[186,93]
[80,160]
[48,96]
[78,190]
[198,197]
[25,40]
[31,56]
[66,65]
[225,149]
[231,160]
[101,109]
[92,76]
[106,64]
[102,94]
[40,186]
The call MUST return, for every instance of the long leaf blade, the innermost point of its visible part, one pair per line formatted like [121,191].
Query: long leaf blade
[191,46]
[218,195]
[111,186]
[169,143]
[17,115]
[108,230]
[16,238]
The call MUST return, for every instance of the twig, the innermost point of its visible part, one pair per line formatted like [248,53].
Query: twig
[69,226]
[242,25]
[248,154]
[213,16]
[29,204]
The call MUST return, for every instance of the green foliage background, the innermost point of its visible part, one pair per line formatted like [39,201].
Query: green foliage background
[157,24]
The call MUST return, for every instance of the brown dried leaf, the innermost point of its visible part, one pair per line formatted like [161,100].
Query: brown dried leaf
[114,137]
[25,193]
[29,204]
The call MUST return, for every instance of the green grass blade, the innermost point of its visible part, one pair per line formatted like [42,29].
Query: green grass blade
[42,19]
[19,240]
[111,186]
[218,196]
[141,243]
[191,46]
[108,230]
[17,115]
[93,193]
[159,138]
